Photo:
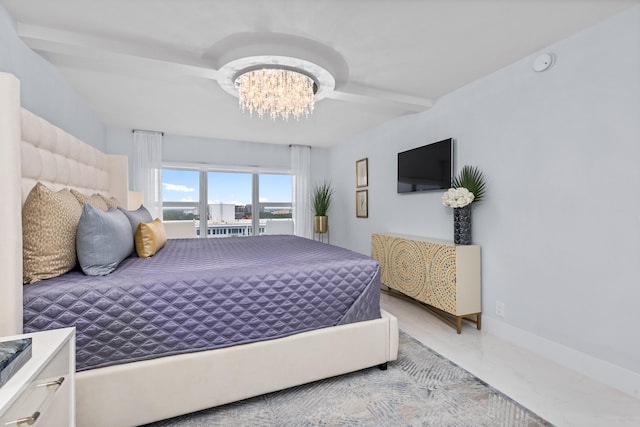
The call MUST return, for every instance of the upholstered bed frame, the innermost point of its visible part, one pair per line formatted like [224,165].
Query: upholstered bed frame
[32,150]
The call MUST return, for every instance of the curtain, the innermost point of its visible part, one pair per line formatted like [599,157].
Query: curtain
[147,169]
[301,168]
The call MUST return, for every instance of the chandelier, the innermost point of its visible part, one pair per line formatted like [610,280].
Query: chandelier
[277,92]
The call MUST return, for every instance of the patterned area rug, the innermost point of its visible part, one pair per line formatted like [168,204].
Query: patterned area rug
[421,388]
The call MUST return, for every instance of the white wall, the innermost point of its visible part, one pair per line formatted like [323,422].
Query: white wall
[217,152]
[44,91]
[177,148]
[560,227]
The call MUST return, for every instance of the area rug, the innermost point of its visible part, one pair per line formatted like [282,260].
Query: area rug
[421,388]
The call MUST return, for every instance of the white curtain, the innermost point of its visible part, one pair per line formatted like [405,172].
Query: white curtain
[301,167]
[147,169]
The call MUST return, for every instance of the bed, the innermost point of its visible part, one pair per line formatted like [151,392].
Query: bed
[174,382]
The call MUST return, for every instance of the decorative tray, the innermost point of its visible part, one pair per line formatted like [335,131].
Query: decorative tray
[13,355]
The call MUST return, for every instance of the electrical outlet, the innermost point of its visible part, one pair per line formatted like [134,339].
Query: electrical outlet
[499,309]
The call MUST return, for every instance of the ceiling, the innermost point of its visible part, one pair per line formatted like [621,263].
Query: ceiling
[157,64]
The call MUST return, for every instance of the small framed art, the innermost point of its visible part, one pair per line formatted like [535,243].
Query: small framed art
[362,173]
[362,204]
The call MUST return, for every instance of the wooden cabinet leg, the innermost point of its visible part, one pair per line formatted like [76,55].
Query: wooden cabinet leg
[478,321]
[459,324]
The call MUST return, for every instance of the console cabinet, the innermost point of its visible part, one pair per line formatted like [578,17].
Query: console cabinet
[439,274]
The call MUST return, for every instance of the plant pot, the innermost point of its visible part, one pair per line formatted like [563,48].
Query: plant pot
[320,224]
[462,225]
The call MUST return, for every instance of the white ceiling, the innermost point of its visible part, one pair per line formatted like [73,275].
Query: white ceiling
[154,64]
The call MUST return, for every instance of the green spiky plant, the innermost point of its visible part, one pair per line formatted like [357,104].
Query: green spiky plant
[321,201]
[471,178]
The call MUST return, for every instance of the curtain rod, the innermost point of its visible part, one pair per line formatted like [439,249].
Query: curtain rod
[144,130]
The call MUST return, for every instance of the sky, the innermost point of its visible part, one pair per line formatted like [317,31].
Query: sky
[225,187]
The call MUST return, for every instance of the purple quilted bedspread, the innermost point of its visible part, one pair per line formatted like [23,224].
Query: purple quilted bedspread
[200,294]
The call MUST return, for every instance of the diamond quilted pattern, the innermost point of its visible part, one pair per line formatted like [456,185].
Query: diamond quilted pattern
[200,294]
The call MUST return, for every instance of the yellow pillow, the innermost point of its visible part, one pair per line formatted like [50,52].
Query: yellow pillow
[150,237]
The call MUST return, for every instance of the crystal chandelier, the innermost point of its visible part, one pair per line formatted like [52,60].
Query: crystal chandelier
[277,92]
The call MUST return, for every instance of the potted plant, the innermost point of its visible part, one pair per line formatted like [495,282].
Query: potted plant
[321,203]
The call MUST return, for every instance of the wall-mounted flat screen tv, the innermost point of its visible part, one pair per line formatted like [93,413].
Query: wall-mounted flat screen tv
[426,168]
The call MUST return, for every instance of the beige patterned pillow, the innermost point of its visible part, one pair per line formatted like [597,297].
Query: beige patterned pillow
[95,200]
[49,224]
[117,203]
[111,202]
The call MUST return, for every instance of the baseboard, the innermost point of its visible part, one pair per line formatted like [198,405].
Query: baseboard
[605,372]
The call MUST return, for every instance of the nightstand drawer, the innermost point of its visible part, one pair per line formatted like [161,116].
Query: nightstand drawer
[47,388]
[45,396]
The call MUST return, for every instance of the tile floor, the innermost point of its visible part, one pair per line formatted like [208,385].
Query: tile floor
[560,395]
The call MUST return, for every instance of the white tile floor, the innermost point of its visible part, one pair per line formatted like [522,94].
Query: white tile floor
[561,396]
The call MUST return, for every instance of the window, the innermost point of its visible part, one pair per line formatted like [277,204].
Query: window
[180,195]
[275,203]
[227,200]
[229,204]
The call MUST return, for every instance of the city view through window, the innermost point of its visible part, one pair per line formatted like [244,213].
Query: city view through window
[228,199]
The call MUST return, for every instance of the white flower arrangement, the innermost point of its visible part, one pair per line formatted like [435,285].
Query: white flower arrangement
[457,197]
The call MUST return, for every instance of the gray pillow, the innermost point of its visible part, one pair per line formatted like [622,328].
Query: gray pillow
[136,217]
[103,240]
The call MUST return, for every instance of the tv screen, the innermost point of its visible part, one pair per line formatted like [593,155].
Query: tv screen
[426,168]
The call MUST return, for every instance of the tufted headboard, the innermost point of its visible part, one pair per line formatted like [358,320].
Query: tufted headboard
[32,150]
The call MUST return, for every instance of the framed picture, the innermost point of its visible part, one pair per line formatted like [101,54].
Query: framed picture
[362,203]
[362,172]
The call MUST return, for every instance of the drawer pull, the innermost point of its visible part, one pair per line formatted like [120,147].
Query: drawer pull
[33,418]
[59,381]
[26,420]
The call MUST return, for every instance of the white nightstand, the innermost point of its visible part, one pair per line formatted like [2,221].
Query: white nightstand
[42,392]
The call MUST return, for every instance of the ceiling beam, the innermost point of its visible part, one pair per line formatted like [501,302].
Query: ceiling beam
[353,92]
[121,56]
[97,48]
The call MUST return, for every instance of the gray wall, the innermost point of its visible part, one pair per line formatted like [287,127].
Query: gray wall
[44,91]
[560,227]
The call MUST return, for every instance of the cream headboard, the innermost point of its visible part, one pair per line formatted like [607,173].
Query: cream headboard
[32,150]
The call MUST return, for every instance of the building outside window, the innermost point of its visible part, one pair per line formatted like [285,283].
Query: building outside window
[228,199]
